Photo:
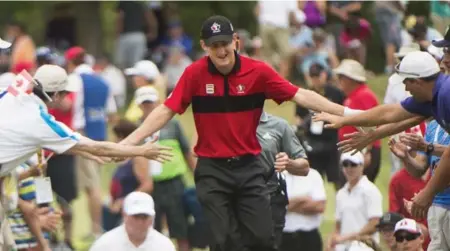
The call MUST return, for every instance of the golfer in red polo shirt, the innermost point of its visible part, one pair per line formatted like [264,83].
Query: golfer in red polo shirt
[227,92]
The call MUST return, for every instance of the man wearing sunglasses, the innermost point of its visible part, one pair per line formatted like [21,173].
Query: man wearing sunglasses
[358,205]
[408,235]
[386,228]
[430,90]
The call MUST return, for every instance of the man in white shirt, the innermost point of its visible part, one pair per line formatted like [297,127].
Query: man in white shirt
[137,232]
[358,205]
[27,126]
[307,200]
[396,93]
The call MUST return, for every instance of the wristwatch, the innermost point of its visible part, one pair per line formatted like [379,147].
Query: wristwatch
[430,149]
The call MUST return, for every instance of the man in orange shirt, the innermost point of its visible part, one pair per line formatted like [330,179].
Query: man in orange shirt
[23,48]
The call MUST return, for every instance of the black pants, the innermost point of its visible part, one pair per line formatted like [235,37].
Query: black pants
[302,241]
[236,202]
[168,196]
[374,168]
[61,170]
[278,205]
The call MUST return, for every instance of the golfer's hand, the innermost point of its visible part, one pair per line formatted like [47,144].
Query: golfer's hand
[414,141]
[281,161]
[335,122]
[421,202]
[156,152]
[355,142]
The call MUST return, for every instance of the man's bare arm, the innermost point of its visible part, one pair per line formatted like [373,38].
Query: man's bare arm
[380,115]
[314,101]
[360,140]
[157,119]
[110,149]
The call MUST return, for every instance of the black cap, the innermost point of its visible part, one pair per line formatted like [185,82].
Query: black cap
[389,219]
[316,69]
[444,42]
[217,29]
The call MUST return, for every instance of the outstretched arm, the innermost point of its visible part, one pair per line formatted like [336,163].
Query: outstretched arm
[157,119]
[109,149]
[314,101]
[380,115]
[359,140]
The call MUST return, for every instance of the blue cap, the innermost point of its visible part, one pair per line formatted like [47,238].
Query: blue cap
[443,42]
[45,52]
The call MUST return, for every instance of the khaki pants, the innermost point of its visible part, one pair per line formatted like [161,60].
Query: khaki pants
[7,242]
[87,173]
[275,42]
[439,228]
[440,23]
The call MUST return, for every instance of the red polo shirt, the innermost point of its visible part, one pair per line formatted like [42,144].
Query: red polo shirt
[227,109]
[403,186]
[362,98]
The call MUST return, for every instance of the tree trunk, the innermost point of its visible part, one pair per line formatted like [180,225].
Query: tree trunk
[89,26]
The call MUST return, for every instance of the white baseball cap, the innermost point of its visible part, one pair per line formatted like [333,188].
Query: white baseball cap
[357,158]
[145,68]
[417,64]
[408,225]
[6,79]
[53,78]
[4,44]
[139,203]
[351,69]
[146,93]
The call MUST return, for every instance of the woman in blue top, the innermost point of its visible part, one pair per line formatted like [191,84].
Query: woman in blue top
[131,175]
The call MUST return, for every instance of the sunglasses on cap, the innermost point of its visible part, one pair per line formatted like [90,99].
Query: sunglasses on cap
[347,163]
[407,237]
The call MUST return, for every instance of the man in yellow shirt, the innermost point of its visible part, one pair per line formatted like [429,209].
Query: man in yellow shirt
[144,73]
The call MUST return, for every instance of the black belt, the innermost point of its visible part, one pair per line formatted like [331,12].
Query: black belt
[241,158]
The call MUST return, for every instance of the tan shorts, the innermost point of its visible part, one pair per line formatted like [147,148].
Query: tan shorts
[275,42]
[6,237]
[88,173]
[439,228]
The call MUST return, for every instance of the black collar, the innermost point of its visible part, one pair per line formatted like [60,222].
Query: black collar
[237,65]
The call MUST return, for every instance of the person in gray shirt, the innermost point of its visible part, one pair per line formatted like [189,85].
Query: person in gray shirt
[281,150]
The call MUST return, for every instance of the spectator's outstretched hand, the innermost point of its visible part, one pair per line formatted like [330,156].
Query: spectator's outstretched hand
[421,202]
[398,149]
[415,141]
[335,122]
[156,152]
[355,142]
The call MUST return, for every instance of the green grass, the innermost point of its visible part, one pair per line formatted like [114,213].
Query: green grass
[286,110]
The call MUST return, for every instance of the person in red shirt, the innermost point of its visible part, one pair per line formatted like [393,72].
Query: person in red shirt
[61,167]
[352,78]
[227,92]
[403,186]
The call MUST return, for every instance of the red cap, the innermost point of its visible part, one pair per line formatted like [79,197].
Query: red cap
[20,66]
[73,52]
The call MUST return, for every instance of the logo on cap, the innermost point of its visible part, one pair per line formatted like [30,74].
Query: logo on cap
[215,27]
